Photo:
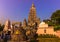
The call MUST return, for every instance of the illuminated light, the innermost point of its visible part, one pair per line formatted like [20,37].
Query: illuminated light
[17,32]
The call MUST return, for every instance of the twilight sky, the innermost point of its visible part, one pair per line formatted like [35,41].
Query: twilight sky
[17,10]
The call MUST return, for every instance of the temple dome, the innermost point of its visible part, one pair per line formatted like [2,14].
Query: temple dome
[43,24]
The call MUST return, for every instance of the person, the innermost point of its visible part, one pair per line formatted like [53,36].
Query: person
[5,38]
[2,35]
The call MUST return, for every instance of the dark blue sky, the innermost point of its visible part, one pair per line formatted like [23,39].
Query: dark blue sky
[17,10]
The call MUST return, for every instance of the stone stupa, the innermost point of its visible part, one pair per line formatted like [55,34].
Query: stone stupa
[7,26]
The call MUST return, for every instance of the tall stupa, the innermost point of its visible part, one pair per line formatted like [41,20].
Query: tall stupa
[7,26]
[32,18]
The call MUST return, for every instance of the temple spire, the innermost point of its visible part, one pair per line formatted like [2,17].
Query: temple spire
[32,18]
[33,5]
[32,15]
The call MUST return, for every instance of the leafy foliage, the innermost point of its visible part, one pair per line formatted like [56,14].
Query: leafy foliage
[47,36]
[57,28]
[48,21]
[55,18]
[1,27]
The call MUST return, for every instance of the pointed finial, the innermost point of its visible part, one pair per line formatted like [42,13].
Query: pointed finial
[33,5]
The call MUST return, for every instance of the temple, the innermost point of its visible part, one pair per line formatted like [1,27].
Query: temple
[28,29]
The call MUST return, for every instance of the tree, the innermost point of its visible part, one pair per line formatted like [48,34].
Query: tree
[48,21]
[1,27]
[55,18]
